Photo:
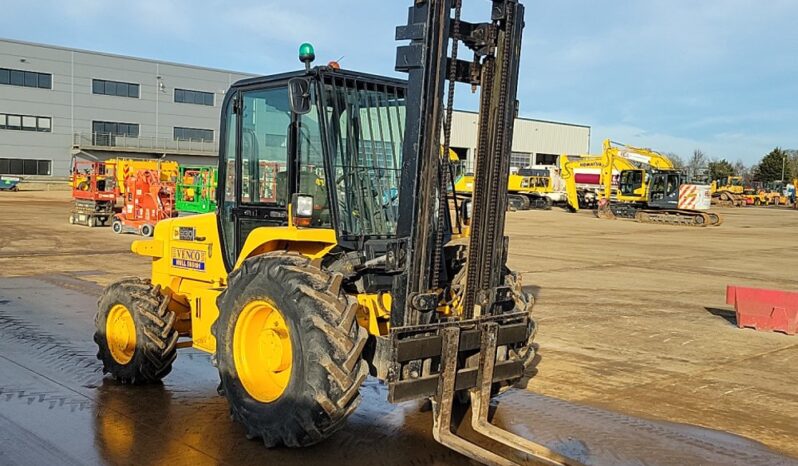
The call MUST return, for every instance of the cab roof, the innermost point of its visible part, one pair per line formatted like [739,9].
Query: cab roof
[319,72]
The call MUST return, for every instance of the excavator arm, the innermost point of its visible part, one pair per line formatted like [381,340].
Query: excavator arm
[569,178]
[638,155]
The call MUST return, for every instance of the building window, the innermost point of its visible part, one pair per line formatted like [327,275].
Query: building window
[520,159]
[116,88]
[25,167]
[26,78]
[547,159]
[104,133]
[193,134]
[194,97]
[25,123]
[116,129]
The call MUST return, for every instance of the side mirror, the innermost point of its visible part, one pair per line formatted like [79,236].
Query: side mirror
[299,95]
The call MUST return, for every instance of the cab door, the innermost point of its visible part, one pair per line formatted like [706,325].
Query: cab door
[664,191]
[255,164]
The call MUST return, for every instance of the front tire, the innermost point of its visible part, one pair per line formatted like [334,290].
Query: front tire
[283,317]
[135,334]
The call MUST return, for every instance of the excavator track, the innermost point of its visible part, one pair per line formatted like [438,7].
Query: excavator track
[688,218]
[726,199]
[679,217]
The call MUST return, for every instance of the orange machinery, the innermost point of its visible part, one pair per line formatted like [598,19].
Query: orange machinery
[147,200]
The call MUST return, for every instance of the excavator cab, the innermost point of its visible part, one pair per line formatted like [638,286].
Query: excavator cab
[664,189]
[632,185]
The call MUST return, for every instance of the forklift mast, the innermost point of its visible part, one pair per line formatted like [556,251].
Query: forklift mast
[424,219]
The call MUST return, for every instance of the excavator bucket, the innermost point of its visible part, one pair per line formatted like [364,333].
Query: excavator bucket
[443,404]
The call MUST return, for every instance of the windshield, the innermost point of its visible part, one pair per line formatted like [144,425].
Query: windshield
[365,122]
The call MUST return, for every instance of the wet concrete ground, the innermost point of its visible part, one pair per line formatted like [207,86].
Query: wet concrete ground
[609,338]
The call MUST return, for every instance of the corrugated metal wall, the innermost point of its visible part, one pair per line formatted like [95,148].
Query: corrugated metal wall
[531,136]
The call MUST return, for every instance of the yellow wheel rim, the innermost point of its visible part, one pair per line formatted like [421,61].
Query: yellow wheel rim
[120,331]
[262,351]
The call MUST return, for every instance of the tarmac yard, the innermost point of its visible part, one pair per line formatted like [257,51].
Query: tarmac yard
[633,328]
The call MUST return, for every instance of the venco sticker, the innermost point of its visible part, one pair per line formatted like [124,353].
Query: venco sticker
[191,259]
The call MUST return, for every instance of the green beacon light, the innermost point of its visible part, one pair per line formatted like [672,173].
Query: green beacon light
[307,54]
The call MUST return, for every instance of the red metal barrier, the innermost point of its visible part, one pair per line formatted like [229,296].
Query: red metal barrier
[764,309]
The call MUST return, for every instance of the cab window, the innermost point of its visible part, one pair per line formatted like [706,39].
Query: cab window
[311,166]
[630,181]
[266,121]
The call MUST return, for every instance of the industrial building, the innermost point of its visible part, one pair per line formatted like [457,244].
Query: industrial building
[535,142]
[57,102]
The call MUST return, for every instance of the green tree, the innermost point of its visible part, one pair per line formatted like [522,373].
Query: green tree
[771,166]
[720,169]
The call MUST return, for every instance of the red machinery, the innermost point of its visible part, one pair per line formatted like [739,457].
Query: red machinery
[148,200]
[94,193]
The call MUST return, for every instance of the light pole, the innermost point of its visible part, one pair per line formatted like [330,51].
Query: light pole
[783,166]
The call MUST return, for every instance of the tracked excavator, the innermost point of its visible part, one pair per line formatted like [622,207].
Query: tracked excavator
[654,192]
[333,253]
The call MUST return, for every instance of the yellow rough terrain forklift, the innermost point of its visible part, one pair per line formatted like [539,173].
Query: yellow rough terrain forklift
[333,253]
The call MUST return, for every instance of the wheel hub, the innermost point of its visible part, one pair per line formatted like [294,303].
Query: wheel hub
[262,351]
[120,330]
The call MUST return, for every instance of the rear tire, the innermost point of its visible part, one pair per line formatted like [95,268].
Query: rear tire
[155,341]
[146,230]
[326,342]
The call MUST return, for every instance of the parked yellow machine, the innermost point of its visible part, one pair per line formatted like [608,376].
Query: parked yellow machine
[584,192]
[318,270]
[607,168]
[526,188]
[794,193]
[653,192]
[728,192]
[774,194]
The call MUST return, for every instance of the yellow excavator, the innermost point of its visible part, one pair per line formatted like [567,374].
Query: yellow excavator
[653,192]
[584,189]
[333,253]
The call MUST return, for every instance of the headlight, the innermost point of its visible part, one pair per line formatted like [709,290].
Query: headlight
[302,209]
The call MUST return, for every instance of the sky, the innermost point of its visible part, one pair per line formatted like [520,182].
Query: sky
[673,75]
